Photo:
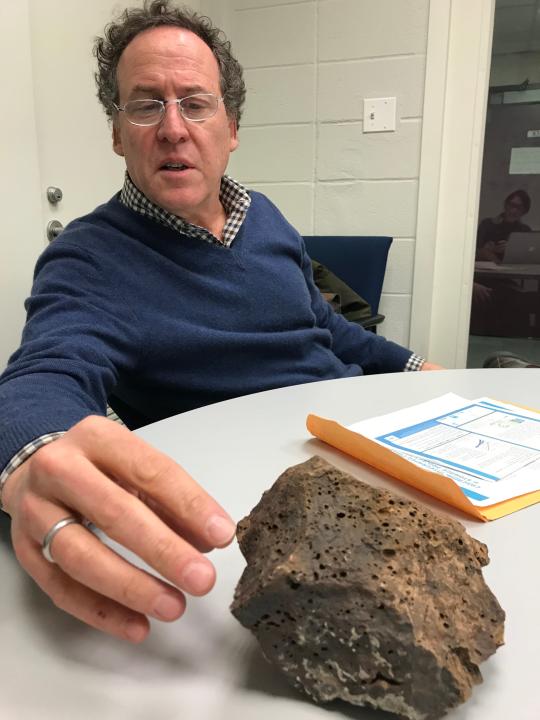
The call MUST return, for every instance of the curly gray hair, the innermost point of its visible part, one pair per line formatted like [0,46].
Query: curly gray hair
[155,13]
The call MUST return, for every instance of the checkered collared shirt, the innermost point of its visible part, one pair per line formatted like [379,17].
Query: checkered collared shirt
[23,455]
[234,198]
[415,362]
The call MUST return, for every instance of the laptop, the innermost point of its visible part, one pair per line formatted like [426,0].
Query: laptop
[522,248]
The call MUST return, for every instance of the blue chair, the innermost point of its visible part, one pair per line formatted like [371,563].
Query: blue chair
[359,260]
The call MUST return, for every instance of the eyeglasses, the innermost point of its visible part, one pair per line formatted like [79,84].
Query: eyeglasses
[150,112]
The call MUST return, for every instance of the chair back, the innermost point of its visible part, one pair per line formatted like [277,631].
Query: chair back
[359,260]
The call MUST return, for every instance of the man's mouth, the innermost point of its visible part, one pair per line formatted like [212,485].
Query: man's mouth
[178,167]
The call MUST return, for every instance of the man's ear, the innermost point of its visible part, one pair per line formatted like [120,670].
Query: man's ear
[233,131]
[117,140]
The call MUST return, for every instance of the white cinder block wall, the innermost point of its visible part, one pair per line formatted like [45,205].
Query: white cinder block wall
[309,64]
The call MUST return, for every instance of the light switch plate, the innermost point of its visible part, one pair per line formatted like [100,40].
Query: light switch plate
[379,114]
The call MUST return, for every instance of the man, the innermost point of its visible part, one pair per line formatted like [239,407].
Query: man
[500,306]
[182,290]
[493,233]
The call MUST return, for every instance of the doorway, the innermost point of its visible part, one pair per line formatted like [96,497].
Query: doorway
[505,312]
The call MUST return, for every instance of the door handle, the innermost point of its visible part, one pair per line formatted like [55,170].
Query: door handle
[54,228]
[54,194]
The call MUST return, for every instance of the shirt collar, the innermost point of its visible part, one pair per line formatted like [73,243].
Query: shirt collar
[233,196]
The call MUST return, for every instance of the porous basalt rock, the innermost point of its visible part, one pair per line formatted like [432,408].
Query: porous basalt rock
[358,594]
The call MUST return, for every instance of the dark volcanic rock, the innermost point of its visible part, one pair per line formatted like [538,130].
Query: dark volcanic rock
[359,594]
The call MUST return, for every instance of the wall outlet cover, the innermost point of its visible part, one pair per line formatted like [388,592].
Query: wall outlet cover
[379,114]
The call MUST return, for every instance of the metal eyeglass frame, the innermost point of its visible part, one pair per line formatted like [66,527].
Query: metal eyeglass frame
[162,104]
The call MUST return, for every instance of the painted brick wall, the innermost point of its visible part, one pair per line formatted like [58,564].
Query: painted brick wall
[309,64]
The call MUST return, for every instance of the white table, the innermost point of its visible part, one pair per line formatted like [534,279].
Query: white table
[521,271]
[207,667]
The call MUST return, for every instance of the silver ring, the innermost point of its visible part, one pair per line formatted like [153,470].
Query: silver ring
[49,537]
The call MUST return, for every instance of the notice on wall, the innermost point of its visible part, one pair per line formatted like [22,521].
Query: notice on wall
[525,161]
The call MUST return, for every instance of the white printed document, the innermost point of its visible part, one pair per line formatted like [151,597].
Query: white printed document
[490,449]
[479,456]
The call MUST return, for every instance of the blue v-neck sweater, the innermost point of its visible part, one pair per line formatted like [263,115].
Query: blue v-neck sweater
[164,323]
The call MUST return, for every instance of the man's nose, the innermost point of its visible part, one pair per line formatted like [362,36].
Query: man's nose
[173,125]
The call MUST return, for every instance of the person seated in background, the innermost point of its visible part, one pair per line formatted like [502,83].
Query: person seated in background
[499,305]
[493,233]
[182,290]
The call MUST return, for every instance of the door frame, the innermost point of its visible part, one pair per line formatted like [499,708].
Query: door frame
[456,89]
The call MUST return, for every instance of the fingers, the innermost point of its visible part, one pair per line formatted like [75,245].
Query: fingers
[125,457]
[431,366]
[176,527]
[128,521]
[86,559]
[138,497]
[80,601]
[91,581]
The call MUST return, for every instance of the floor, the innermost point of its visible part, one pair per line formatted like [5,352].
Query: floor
[481,347]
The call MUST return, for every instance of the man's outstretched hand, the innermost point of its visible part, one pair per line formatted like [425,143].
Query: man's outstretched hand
[431,366]
[140,498]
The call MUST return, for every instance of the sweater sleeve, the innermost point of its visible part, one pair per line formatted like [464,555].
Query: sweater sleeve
[78,335]
[351,342]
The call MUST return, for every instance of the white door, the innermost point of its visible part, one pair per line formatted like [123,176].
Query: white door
[20,211]
[73,136]
[52,133]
